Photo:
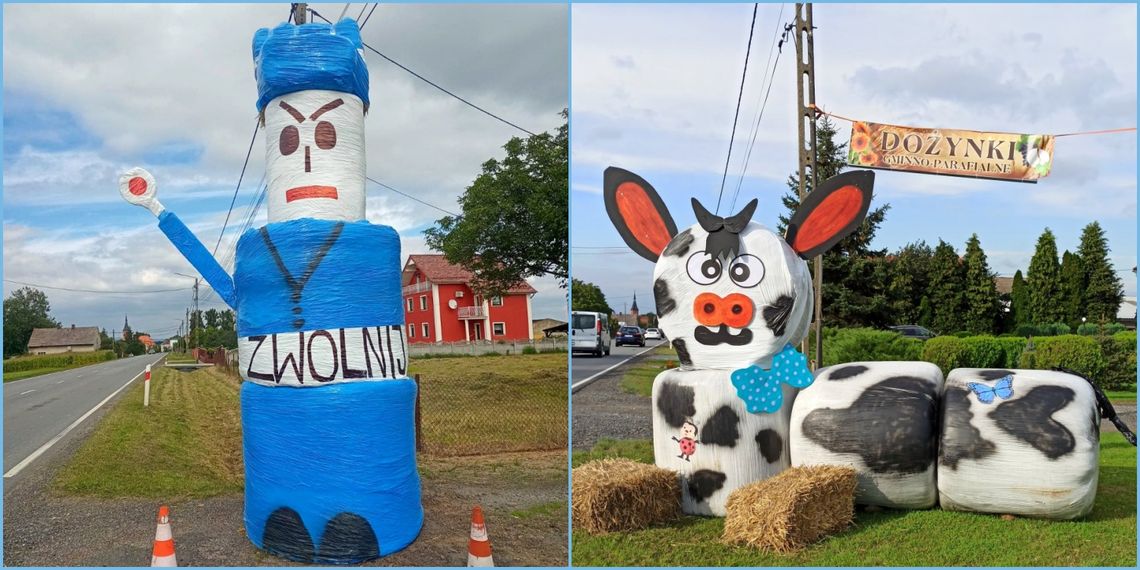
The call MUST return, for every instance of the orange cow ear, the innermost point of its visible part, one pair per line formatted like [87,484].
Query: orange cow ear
[830,213]
[637,212]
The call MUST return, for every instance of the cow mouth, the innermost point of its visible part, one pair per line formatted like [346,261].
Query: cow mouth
[722,336]
[302,192]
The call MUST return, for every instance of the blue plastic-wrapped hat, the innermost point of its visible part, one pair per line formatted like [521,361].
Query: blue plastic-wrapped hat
[292,58]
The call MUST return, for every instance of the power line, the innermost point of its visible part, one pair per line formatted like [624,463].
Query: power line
[95,291]
[771,73]
[736,116]
[432,83]
[412,197]
[249,152]
[374,5]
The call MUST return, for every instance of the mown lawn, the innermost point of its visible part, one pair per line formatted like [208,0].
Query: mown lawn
[491,404]
[186,444]
[895,538]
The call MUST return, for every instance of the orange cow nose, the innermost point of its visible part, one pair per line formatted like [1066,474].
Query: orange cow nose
[712,310]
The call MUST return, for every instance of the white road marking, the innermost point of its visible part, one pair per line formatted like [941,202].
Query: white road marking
[43,448]
[583,383]
[27,392]
[60,382]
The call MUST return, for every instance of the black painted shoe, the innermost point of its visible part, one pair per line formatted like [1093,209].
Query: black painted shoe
[347,539]
[286,536]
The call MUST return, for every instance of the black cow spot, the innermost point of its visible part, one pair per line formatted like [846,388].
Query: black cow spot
[682,351]
[722,428]
[994,374]
[679,246]
[846,372]
[676,403]
[960,439]
[776,315]
[703,483]
[771,445]
[893,426]
[665,302]
[1030,419]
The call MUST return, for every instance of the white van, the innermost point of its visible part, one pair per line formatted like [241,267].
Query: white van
[590,332]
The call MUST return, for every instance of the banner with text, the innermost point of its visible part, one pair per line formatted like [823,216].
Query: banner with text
[1001,156]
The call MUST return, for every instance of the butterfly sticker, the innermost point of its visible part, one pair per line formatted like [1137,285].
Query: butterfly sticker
[1003,389]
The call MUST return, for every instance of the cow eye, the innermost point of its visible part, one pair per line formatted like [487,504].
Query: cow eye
[746,270]
[703,268]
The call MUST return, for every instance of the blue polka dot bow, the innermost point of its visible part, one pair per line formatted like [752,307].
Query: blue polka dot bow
[760,389]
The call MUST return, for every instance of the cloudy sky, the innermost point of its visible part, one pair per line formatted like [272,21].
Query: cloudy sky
[654,88]
[90,90]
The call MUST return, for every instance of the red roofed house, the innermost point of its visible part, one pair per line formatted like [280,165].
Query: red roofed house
[439,305]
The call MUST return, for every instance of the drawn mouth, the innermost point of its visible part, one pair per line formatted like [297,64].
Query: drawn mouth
[302,192]
[722,336]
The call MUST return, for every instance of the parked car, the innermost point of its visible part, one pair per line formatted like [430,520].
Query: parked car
[590,332]
[653,334]
[630,335]
[914,331]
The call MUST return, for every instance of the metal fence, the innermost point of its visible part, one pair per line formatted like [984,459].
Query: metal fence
[481,347]
[491,404]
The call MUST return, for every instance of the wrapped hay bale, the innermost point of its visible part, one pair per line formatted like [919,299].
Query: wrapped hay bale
[881,418]
[1019,442]
[619,494]
[793,509]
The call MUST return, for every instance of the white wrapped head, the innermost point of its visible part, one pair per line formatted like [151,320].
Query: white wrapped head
[314,156]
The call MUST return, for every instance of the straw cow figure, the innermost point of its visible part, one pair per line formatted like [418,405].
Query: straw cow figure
[735,298]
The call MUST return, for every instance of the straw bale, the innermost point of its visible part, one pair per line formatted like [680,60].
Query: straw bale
[793,509]
[619,495]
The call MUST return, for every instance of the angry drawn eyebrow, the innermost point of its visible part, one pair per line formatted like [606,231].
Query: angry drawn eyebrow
[296,114]
[327,107]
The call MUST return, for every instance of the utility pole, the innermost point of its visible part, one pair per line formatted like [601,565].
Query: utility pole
[197,313]
[299,10]
[805,109]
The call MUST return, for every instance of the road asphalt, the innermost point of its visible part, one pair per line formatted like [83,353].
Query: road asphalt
[586,365]
[38,409]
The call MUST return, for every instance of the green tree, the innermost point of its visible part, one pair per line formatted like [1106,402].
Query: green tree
[514,221]
[1044,282]
[586,296]
[855,280]
[1103,288]
[212,318]
[1072,289]
[105,340]
[908,281]
[981,297]
[26,309]
[947,289]
[1019,301]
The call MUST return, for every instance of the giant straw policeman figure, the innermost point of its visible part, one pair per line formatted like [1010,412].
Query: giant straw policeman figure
[327,407]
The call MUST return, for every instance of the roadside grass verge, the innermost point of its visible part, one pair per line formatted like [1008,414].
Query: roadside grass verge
[638,378]
[12,376]
[896,538]
[493,404]
[186,445]
[1122,396]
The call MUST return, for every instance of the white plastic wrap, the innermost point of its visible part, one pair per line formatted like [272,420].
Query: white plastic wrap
[1033,450]
[881,418]
[702,430]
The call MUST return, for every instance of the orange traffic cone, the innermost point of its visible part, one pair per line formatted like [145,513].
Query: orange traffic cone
[163,541]
[479,547]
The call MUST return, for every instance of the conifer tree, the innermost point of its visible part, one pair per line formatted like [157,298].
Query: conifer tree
[1072,289]
[947,285]
[1103,289]
[981,298]
[1044,282]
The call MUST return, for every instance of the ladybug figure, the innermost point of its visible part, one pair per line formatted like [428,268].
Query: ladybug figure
[688,443]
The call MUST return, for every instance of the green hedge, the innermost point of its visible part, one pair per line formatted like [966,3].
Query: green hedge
[57,360]
[854,345]
[1095,329]
[1078,353]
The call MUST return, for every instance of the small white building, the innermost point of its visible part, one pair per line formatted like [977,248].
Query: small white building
[56,341]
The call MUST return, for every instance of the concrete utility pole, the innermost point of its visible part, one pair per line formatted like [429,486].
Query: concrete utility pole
[805,109]
[299,11]
[197,313]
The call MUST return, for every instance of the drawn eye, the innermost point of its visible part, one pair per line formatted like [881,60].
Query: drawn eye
[746,270]
[290,140]
[703,269]
[325,135]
